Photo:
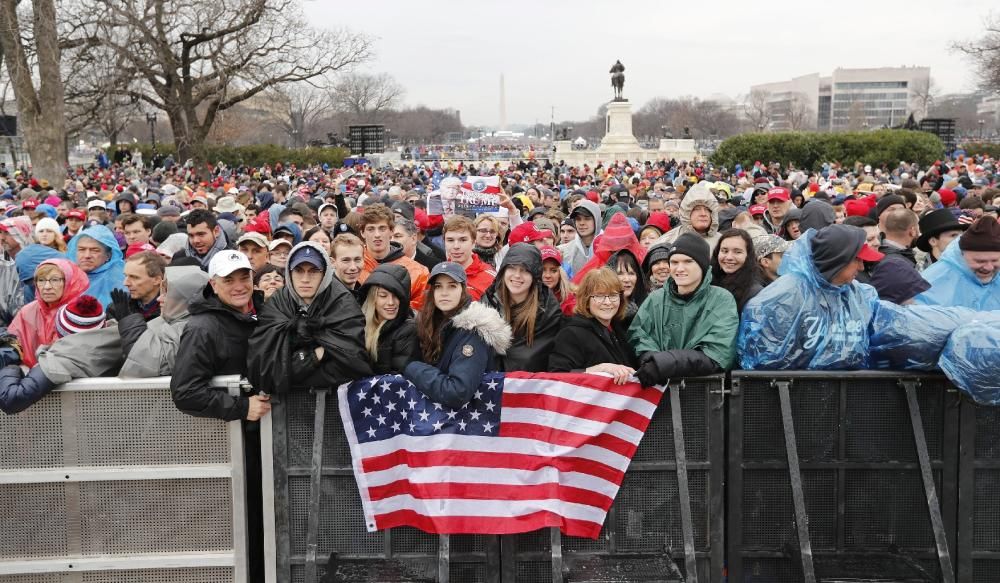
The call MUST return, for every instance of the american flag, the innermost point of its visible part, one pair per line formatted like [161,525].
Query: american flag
[528,451]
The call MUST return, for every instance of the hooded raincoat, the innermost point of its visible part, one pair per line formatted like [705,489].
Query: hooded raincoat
[803,322]
[27,261]
[151,347]
[699,195]
[681,332]
[953,283]
[106,277]
[281,355]
[35,324]
[548,320]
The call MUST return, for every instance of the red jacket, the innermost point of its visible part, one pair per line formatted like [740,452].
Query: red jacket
[480,276]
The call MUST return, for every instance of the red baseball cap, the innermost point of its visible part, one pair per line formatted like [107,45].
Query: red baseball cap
[526,232]
[551,253]
[29,204]
[778,193]
[868,254]
[76,214]
[660,220]
[758,209]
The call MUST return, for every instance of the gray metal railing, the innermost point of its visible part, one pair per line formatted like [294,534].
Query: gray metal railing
[105,480]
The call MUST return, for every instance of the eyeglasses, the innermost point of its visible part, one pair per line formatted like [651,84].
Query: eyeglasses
[608,299]
[279,253]
[486,231]
[53,281]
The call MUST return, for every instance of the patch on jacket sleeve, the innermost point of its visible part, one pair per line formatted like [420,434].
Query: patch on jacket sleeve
[468,350]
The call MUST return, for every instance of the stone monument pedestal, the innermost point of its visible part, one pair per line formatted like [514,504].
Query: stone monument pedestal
[618,130]
[620,144]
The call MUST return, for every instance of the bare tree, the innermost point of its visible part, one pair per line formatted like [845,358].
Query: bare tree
[296,108]
[97,94]
[757,108]
[800,115]
[924,92]
[197,58]
[985,54]
[364,97]
[6,95]
[41,107]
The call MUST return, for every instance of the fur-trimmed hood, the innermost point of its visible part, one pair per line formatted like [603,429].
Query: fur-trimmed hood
[487,323]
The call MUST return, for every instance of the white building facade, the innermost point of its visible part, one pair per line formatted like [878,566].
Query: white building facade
[849,99]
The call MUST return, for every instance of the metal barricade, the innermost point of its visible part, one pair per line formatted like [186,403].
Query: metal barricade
[666,523]
[979,494]
[104,480]
[842,476]
[313,521]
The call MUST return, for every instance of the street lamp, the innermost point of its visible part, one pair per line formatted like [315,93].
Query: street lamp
[663,130]
[151,120]
[981,122]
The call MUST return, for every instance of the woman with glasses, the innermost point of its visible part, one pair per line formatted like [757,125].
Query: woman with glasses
[487,238]
[57,283]
[595,339]
[268,280]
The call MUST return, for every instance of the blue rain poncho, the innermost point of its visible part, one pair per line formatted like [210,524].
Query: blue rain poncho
[109,276]
[969,360]
[912,337]
[954,284]
[803,322]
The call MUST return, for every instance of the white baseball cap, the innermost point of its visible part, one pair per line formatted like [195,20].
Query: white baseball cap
[226,262]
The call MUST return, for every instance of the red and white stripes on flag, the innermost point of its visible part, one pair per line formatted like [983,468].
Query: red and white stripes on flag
[529,451]
[482,184]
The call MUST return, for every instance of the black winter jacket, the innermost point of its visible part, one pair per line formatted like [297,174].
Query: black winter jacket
[584,342]
[397,341]
[214,343]
[520,356]
[471,341]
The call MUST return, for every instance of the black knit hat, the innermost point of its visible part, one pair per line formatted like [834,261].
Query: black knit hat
[887,201]
[693,246]
[983,235]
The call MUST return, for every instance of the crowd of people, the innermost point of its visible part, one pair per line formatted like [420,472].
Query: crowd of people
[304,277]
[301,278]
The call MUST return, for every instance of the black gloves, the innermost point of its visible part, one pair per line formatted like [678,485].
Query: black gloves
[648,372]
[656,368]
[121,305]
[304,363]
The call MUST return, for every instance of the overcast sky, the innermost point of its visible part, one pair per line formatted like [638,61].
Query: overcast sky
[557,53]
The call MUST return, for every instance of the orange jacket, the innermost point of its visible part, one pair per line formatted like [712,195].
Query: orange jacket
[418,274]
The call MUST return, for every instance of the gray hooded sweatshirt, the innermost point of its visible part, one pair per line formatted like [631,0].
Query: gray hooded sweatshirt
[153,353]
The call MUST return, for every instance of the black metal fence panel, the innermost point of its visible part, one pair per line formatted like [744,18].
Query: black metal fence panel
[859,479]
[643,535]
[979,494]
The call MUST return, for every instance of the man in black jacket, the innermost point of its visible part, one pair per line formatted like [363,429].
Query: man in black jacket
[215,343]
[896,277]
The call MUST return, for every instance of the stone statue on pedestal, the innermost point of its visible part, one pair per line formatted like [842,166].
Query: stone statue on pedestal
[618,79]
